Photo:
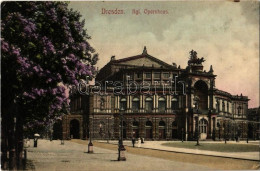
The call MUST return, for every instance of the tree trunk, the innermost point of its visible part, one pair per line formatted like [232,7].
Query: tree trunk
[4,144]
[11,143]
[19,141]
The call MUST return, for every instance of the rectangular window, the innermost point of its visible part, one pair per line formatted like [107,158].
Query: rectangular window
[136,106]
[157,75]
[174,105]
[148,75]
[149,106]
[138,75]
[162,106]
[166,75]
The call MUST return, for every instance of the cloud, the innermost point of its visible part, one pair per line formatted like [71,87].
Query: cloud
[226,34]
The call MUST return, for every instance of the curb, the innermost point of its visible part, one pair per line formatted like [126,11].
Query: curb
[187,153]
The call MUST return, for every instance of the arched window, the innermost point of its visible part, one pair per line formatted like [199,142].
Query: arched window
[203,126]
[161,104]
[161,124]
[123,103]
[223,106]
[148,104]
[174,103]
[135,104]
[201,91]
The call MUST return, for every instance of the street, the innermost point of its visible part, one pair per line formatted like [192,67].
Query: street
[50,155]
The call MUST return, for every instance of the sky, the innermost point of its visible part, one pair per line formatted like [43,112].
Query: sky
[225,33]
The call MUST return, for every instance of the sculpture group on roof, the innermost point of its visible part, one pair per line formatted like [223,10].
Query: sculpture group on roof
[194,59]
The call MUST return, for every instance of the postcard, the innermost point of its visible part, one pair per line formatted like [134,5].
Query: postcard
[130,85]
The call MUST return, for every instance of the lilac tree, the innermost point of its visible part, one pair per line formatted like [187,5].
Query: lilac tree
[44,49]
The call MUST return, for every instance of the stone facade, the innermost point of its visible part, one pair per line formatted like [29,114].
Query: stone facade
[254,123]
[180,104]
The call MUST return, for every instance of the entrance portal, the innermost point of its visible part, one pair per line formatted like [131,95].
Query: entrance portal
[149,130]
[162,130]
[174,130]
[57,131]
[74,129]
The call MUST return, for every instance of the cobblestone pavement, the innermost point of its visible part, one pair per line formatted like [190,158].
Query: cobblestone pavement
[50,155]
[158,145]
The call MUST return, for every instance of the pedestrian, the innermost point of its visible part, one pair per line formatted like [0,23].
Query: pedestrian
[35,142]
[139,142]
[133,141]
[142,140]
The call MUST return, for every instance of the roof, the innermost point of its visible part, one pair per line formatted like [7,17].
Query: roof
[139,57]
[234,97]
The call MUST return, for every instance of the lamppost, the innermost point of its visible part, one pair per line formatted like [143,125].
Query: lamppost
[90,144]
[121,148]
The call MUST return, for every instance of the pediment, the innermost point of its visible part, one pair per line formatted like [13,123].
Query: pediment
[143,60]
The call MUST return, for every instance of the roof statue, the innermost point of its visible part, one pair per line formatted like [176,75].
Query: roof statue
[194,59]
[211,69]
[144,51]
[113,58]
[193,54]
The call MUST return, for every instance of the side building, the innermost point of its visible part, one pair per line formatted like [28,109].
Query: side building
[146,97]
[254,123]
